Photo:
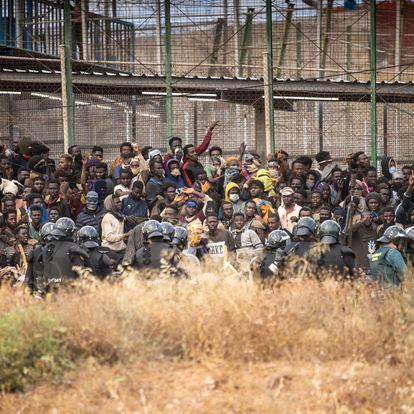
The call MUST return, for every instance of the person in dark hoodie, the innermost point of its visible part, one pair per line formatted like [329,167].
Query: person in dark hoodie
[173,173]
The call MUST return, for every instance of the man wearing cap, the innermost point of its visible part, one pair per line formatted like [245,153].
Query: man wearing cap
[191,212]
[289,210]
[325,164]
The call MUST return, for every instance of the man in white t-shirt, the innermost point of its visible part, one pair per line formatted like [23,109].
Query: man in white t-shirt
[289,210]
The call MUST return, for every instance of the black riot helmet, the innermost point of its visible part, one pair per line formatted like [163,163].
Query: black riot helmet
[180,238]
[329,232]
[64,227]
[151,229]
[45,232]
[88,237]
[393,234]
[306,227]
[167,231]
[277,239]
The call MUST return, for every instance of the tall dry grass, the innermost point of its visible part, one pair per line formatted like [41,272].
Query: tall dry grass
[226,322]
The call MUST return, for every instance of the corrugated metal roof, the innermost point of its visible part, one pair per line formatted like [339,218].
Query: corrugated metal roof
[214,78]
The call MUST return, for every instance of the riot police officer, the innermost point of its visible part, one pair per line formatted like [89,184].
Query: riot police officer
[300,253]
[274,246]
[167,231]
[180,238]
[409,250]
[35,270]
[62,254]
[154,249]
[387,262]
[185,260]
[335,257]
[98,260]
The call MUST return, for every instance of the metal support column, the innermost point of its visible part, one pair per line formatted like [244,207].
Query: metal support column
[84,25]
[236,30]
[268,81]
[246,40]
[286,29]
[216,46]
[373,80]
[159,37]
[168,78]
[348,52]
[298,50]
[397,39]
[385,128]
[325,42]
[66,70]
[19,23]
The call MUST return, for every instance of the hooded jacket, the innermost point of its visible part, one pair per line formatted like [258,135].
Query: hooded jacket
[385,167]
[239,205]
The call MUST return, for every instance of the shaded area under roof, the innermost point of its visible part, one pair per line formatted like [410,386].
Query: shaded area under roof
[239,90]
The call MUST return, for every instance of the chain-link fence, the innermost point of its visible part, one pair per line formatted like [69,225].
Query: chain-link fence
[312,39]
[108,120]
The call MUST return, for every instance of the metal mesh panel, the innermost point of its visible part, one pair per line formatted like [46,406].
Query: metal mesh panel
[209,38]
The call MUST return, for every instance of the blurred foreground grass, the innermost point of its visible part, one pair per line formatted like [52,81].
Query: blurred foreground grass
[208,344]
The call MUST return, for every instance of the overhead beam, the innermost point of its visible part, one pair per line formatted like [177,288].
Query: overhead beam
[245,88]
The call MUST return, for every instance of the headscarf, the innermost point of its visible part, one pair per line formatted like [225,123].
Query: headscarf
[110,208]
[264,177]
[153,153]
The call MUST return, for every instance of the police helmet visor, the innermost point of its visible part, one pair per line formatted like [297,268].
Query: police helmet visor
[303,231]
[57,233]
[328,239]
[383,239]
[90,244]
[155,234]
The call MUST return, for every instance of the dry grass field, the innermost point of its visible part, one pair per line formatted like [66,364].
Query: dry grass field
[209,344]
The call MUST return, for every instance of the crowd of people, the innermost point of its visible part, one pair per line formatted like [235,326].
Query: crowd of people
[155,210]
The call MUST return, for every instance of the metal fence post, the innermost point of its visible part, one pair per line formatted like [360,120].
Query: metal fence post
[67,92]
[373,80]
[268,81]
[168,77]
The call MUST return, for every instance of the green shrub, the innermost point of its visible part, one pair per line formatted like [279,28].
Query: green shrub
[31,348]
